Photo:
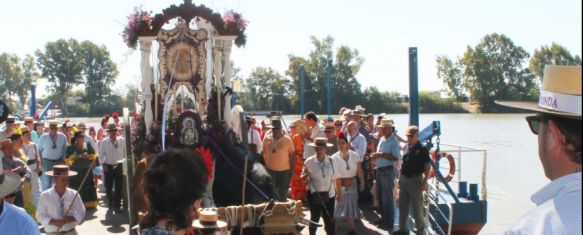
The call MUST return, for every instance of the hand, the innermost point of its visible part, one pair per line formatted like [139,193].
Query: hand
[85,156]
[18,169]
[376,155]
[339,196]
[105,169]
[68,219]
[58,223]
[361,187]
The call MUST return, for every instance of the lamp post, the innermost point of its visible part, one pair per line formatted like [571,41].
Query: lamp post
[32,107]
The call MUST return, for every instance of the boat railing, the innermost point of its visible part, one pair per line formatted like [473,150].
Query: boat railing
[458,152]
[433,200]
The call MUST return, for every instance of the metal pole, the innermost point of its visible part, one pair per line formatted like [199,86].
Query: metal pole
[302,84]
[413,88]
[330,84]
[32,107]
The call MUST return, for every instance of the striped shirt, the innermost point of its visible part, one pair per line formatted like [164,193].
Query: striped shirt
[558,209]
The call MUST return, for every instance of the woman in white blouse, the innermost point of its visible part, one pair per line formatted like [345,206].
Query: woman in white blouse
[319,173]
[347,167]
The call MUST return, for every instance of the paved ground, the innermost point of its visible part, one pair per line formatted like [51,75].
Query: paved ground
[103,221]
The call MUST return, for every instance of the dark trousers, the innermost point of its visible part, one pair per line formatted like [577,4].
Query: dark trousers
[113,184]
[318,210]
[385,178]
[280,181]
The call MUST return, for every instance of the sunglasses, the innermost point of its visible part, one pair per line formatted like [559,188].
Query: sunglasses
[535,123]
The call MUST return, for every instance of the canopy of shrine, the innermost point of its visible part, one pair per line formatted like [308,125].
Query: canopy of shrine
[191,58]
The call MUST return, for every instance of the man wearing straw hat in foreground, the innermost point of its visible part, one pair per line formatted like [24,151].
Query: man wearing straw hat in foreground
[60,209]
[557,124]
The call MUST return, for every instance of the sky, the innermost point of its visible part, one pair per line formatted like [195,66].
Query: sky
[381,30]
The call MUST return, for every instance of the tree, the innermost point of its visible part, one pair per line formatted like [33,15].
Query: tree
[11,75]
[267,89]
[346,64]
[29,76]
[551,55]
[493,70]
[451,73]
[99,72]
[62,64]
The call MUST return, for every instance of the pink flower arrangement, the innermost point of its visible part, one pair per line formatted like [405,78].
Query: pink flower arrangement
[233,18]
[137,21]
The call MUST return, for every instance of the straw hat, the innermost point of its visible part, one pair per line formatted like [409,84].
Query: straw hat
[320,142]
[28,119]
[208,219]
[112,127]
[53,123]
[411,130]
[385,122]
[9,182]
[275,122]
[61,171]
[560,93]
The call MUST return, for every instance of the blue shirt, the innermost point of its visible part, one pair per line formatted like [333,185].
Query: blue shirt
[46,150]
[390,145]
[15,221]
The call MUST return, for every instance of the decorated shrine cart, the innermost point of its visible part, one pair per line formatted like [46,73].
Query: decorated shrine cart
[192,66]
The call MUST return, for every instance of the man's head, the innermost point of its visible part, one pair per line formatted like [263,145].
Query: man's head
[25,133]
[61,174]
[558,122]
[311,118]
[10,121]
[112,130]
[7,148]
[276,127]
[386,127]
[352,127]
[412,133]
[29,122]
[53,127]
[330,132]
[82,127]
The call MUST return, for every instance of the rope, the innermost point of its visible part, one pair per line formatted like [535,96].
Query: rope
[243,191]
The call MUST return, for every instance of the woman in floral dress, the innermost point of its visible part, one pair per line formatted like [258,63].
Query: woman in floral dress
[82,159]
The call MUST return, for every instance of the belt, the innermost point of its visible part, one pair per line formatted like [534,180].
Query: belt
[51,160]
[385,168]
[62,232]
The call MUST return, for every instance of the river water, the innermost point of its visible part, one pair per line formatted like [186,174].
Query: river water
[513,173]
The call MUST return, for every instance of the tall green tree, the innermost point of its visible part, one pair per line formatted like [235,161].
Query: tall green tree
[99,72]
[494,70]
[267,89]
[11,76]
[346,65]
[30,75]
[451,73]
[62,63]
[551,55]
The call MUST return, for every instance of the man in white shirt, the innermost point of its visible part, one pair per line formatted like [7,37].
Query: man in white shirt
[60,209]
[558,127]
[112,153]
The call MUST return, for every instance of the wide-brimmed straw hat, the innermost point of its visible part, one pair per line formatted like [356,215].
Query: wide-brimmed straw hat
[208,219]
[385,122]
[560,93]
[61,171]
[9,182]
[320,142]
[411,130]
[28,119]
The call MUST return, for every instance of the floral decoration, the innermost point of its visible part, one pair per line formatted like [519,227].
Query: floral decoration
[139,20]
[235,20]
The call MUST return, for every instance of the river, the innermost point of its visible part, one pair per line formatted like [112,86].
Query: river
[514,171]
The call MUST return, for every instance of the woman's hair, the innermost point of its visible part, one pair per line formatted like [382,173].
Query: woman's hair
[104,120]
[173,182]
[342,136]
[76,135]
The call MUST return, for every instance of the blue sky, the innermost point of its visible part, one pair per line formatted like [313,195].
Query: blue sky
[381,30]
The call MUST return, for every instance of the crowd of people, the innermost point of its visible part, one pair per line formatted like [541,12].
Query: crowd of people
[48,175]
[41,154]
[337,165]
